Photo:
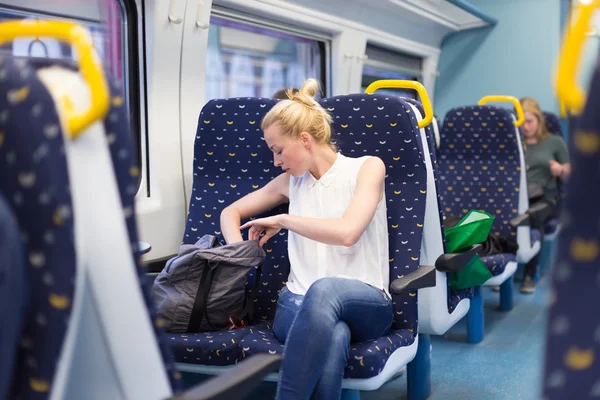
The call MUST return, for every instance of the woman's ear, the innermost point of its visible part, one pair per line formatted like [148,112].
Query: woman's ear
[306,139]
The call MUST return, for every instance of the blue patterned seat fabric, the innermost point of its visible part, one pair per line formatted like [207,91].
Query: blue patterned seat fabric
[381,126]
[553,123]
[127,172]
[480,167]
[454,297]
[231,160]
[573,330]
[35,182]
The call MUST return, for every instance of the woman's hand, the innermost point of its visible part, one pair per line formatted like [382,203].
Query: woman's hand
[556,168]
[270,226]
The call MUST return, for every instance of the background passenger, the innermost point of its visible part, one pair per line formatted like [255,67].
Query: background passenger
[337,244]
[547,161]
[283,93]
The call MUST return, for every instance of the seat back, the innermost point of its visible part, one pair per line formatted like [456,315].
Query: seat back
[35,182]
[481,165]
[385,126]
[45,185]
[553,123]
[231,160]
[572,367]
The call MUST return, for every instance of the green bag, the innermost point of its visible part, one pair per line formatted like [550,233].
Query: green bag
[473,228]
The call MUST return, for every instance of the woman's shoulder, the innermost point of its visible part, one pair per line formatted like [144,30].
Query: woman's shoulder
[370,163]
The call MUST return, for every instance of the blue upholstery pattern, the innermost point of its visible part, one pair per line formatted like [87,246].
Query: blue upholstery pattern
[454,297]
[480,167]
[535,235]
[573,330]
[35,182]
[384,127]
[231,160]
[365,359]
[127,172]
[497,262]
[208,348]
[553,123]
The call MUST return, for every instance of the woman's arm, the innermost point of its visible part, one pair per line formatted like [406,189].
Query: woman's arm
[271,195]
[344,231]
[559,170]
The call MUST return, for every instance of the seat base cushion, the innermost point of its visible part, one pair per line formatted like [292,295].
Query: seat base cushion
[455,297]
[207,348]
[366,359]
[497,262]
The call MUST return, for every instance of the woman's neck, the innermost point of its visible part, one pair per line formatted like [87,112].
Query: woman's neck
[324,157]
[532,140]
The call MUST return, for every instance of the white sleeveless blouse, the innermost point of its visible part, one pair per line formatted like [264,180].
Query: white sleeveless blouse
[329,197]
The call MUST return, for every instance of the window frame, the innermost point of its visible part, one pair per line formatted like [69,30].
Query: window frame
[323,40]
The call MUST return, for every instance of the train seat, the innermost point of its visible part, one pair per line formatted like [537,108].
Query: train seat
[482,166]
[35,181]
[372,363]
[231,160]
[572,354]
[433,318]
[84,300]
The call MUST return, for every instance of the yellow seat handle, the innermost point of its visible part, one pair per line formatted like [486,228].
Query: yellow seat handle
[402,84]
[89,64]
[567,89]
[506,99]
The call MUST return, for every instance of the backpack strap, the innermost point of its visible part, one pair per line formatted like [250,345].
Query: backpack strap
[199,309]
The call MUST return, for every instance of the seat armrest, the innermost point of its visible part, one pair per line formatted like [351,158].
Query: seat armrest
[423,277]
[236,383]
[523,219]
[538,207]
[454,262]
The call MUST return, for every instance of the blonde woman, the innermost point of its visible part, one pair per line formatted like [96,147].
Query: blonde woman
[547,161]
[337,245]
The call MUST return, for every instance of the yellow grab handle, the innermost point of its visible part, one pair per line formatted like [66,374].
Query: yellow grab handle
[90,65]
[400,84]
[506,99]
[567,89]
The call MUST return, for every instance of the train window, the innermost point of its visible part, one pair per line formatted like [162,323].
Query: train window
[248,59]
[385,64]
[116,44]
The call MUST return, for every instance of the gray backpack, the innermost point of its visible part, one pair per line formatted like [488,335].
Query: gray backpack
[202,289]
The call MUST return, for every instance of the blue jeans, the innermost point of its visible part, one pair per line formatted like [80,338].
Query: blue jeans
[317,330]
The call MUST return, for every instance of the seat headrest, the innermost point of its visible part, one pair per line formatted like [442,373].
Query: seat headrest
[479,132]
[229,142]
[379,125]
[552,123]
